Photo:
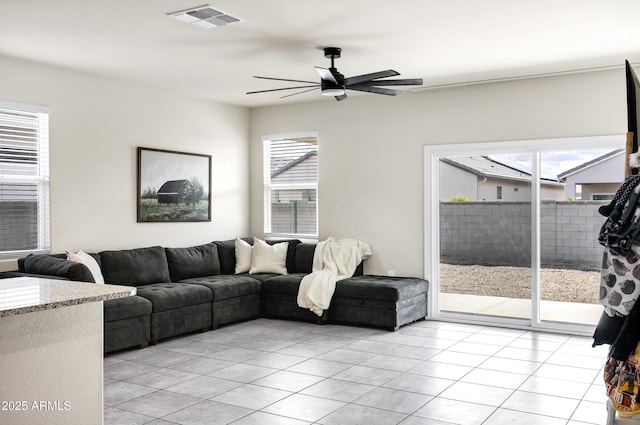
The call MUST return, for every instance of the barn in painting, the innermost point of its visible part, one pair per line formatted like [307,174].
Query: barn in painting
[173,192]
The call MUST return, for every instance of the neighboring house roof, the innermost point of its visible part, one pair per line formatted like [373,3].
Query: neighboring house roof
[172,187]
[487,167]
[562,176]
[279,167]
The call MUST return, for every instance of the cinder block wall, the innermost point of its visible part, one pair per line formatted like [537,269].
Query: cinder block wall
[500,233]
[293,217]
[19,231]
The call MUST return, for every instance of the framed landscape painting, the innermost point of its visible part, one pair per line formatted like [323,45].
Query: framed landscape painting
[173,186]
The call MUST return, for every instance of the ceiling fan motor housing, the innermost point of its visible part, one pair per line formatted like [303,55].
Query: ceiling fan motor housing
[329,88]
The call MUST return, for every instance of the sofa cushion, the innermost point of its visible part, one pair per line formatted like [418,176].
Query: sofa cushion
[22,267]
[139,266]
[227,286]
[244,256]
[89,261]
[44,264]
[381,288]
[259,276]
[227,254]
[125,308]
[304,257]
[269,258]
[291,252]
[169,296]
[287,284]
[195,261]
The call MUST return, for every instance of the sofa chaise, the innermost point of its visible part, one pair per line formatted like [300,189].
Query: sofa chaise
[181,290]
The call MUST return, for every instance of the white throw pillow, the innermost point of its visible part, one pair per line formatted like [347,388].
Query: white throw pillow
[269,258]
[90,262]
[244,252]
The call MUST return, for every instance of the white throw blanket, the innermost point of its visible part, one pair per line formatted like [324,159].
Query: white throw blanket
[333,260]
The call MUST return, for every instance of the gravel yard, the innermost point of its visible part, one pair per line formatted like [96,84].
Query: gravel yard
[515,282]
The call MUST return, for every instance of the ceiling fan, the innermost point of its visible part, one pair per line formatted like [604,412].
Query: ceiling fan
[333,83]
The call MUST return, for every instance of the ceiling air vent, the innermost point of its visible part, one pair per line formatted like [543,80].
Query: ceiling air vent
[205,17]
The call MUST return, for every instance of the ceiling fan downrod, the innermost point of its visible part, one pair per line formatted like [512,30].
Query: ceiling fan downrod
[333,53]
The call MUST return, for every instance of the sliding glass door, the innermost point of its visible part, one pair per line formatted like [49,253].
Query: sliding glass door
[512,233]
[484,207]
[570,256]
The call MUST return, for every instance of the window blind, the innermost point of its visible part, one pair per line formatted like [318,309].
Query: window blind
[24,179]
[291,185]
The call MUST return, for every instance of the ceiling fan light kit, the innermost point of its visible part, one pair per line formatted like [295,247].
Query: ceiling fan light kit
[333,83]
[333,91]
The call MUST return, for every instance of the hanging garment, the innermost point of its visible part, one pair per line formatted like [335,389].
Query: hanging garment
[620,235]
[620,332]
[622,381]
[619,283]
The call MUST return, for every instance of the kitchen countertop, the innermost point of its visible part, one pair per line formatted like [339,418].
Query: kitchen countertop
[22,295]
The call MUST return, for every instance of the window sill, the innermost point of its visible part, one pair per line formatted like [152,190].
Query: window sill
[279,236]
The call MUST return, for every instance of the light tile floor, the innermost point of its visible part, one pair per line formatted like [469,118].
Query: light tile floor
[272,372]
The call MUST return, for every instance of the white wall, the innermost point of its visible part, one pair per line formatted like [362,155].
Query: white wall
[371,148]
[95,126]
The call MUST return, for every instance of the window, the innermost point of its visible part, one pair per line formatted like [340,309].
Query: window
[24,179]
[499,192]
[578,191]
[291,186]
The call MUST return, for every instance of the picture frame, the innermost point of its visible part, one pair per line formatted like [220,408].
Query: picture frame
[173,186]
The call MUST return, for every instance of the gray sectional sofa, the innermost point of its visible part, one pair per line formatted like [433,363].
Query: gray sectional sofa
[180,290]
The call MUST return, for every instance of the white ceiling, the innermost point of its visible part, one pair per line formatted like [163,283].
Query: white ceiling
[442,41]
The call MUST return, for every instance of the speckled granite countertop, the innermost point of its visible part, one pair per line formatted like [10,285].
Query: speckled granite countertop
[27,294]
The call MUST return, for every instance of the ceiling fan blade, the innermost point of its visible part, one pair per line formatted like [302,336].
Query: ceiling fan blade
[285,88]
[404,82]
[326,75]
[341,97]
[299,92]
[376,90]
[285,79]
[368,77]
